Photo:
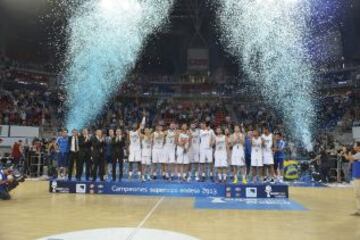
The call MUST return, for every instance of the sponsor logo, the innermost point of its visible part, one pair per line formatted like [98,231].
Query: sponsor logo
[268,190]
[251,192]
[53,186]
[81,188]
[62,190]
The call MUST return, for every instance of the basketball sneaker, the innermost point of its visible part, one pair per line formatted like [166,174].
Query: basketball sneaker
[189,178]
[244,181]
[235,181]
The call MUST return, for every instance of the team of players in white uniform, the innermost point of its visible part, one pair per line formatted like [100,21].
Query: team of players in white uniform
[178,151]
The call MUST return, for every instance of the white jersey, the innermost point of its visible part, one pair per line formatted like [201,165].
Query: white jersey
[158,141]
[237,154]
[256,152]
[170,139]
[205,138]
[220,143]
[256,145]
[268,157]
[195,141]
[268,142]
[220,151]
[235,140]
[146,147]
[134,139]
[184,139]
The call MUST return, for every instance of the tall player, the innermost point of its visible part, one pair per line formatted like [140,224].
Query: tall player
[182,158]
[268,157]
[146,142]
[158,138]
[207,139]
[256,155]
[194,151]
[238,154]
[221,150]
[169,149]
[135,147]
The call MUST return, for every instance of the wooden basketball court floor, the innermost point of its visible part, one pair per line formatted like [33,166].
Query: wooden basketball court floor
[34,212]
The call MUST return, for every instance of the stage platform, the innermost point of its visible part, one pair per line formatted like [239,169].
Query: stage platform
[171,188]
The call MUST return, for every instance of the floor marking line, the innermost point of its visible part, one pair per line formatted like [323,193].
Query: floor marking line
[133,233]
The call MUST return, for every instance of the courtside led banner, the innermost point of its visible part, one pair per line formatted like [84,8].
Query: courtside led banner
[139,188]
[156,188]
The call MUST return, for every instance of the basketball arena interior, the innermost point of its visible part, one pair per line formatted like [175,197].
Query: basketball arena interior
[179,119]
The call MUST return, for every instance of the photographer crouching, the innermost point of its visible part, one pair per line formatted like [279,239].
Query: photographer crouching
[8,181]
[354,158]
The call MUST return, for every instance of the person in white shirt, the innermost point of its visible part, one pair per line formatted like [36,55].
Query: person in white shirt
[237,140]
[256,155]
[146,144]
[135,148]
[158,138]
[268,156]
[207,139]
[194,151]
[221,150]
[182,157]
[169,149]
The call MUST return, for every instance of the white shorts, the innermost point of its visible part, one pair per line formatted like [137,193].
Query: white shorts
[157,155]
[169,155]
[194,155]
[146,160]
[268,158]
[181,156]
[135,155]
[256,159]
[238,157]
[220,159]
[206,156]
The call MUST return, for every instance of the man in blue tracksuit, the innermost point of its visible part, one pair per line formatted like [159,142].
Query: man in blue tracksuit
[279,156]
[248,152]
[63,146]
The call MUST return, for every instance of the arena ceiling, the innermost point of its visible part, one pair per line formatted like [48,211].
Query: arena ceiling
[28,29]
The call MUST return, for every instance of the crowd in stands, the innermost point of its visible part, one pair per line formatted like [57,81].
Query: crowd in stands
[190,111]
[25,107]
[332,109]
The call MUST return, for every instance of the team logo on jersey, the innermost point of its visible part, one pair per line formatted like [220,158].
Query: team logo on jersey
[251,192]
[80,188]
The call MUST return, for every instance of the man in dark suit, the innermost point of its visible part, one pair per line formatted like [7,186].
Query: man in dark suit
[118,146]
[97,145]
[74,151]
[85,156]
